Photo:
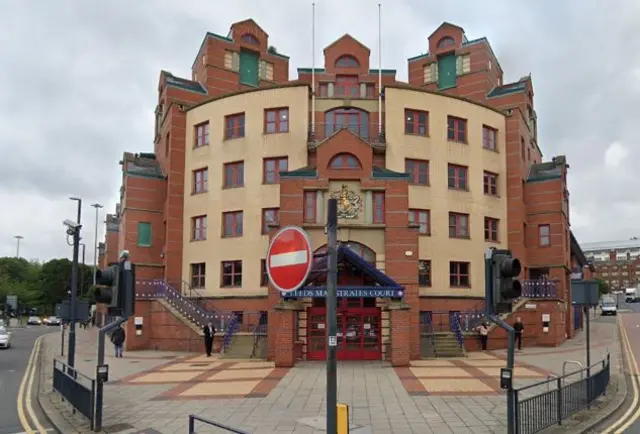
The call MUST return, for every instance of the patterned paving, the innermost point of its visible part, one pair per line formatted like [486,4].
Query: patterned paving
[204,377]
[475,375]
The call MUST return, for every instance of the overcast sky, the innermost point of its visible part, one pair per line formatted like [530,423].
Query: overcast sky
[78,87]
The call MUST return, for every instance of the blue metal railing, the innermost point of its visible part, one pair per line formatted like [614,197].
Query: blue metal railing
[455,326]
[228,335]
[539,288]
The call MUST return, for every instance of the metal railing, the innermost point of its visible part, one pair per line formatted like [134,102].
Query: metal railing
[368,131]
[228,335]
[539,288]
[75,388]
[442,322]
[455,326]
[550,407]
[192,425]
[259,334]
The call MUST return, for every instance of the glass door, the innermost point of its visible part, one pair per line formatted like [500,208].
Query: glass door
[317,334]
[371,339]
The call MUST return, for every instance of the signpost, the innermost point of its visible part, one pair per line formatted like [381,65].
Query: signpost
[289,259]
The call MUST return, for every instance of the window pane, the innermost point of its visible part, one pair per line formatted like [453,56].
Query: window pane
[271,116]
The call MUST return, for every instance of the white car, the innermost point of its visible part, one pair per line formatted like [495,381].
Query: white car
[609,307]
[34,320]
[5,338]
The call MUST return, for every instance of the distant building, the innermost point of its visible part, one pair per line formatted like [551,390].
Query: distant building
[615,262]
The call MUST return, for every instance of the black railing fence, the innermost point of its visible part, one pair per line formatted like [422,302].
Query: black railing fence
[561,399]
[192,425]
[75,388]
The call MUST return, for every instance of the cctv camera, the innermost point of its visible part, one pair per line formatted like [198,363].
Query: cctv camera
[70,224]
[124,255]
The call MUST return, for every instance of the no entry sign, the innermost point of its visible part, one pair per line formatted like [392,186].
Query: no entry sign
[289,259]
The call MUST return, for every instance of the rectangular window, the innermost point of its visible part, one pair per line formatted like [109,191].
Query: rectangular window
[144,234]
[347,85]
[378,207]
[266,70]
[489,138]
[199,228]
[234,126]
[456,129]
[323,90]
[269,217]
[232,224]
[231,274]
[276,120]
[271,168]
[233,175]
[200,181]
[491,229]
[522,148]
[310,198]
[264,276]
[416,122]
[421,217]
[202,134]
[424,272]
[459,274]
[418,171]
[198,272]
[490,181]
[458,177]
[458,225]
[371,90]
[544,235]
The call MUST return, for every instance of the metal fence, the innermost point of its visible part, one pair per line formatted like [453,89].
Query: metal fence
[76,388]
[561,399]
[192,425]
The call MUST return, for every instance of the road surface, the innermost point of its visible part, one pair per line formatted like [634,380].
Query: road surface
[13,365]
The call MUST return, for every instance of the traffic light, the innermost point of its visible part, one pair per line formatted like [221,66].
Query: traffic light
[116,288]
[504,285]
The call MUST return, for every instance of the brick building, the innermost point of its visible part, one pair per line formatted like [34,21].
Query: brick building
[428,176]
[617,263]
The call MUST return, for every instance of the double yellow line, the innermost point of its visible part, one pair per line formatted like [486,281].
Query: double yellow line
[633,412]
[24,394]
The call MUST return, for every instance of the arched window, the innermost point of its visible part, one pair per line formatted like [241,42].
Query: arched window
[250,39]
[363,251]
[345,161]
[356,120]
[347,62]
[445,42]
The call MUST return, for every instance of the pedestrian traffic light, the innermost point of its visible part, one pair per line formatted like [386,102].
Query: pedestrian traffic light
[505,287]
[116,288]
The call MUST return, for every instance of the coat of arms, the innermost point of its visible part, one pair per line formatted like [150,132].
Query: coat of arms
[349,203]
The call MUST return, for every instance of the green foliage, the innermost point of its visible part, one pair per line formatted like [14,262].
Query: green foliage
[42,285]
[603,288]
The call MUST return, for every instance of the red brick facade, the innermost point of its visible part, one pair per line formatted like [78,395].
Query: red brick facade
[537,196]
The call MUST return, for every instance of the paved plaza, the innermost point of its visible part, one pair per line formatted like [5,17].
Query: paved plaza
[154,392]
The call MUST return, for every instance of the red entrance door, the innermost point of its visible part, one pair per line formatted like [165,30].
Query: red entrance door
[359,335]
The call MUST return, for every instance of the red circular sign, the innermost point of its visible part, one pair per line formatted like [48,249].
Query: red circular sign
[289,259]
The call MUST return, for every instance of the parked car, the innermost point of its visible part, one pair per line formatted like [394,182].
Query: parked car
[609,306]
[5,338]
[34,320]
[53,321]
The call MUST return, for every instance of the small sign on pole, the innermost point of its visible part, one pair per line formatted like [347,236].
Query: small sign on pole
[289,259]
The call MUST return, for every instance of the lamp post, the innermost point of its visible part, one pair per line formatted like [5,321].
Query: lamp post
[74,286]
[97,206]
[82,270]
[18,238]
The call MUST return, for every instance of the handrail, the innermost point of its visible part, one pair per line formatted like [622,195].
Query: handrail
[231,328]
[192,425]
[259,332]
[573,362]
[563,377]
[456,329]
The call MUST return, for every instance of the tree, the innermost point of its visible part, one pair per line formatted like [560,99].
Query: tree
[603,288]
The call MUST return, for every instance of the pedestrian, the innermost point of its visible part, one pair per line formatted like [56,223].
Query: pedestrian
[519,328]
[209,333]
[483,329]
[117,338]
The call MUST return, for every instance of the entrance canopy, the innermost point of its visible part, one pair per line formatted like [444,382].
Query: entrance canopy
[379,284]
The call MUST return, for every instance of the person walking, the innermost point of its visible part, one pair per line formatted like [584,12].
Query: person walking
[483,329]
[117,338]
[518,326]
[209,333]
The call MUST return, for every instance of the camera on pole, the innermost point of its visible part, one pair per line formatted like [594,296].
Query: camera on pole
[116,287]
[505,287]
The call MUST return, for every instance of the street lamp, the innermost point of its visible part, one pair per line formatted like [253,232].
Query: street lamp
[18,238]
[74,230]
[82,271]
[97,206]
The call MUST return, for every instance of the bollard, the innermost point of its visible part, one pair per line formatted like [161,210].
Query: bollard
[342,418]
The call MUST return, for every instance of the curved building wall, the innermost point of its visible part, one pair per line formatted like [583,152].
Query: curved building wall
[437,197]
[252,149]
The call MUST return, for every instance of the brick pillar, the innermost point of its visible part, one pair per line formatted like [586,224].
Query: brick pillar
[283,328]
[400,334]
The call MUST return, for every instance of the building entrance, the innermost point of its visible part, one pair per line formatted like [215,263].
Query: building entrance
[359,331]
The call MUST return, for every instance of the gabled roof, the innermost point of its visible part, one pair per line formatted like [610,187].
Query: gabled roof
[249,20]
[445,24]
[341,129]
[346,35]
[182,83]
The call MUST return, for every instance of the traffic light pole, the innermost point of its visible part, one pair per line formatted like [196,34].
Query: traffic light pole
[332,321]
[74,289]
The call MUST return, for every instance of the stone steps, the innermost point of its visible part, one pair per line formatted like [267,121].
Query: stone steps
[241,347]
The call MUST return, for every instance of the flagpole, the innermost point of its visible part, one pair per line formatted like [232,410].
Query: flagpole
[313,67]
[379,68]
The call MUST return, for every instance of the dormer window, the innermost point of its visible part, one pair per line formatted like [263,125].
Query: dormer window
[347,62]
[445,42]
[250,39]
[345,161]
